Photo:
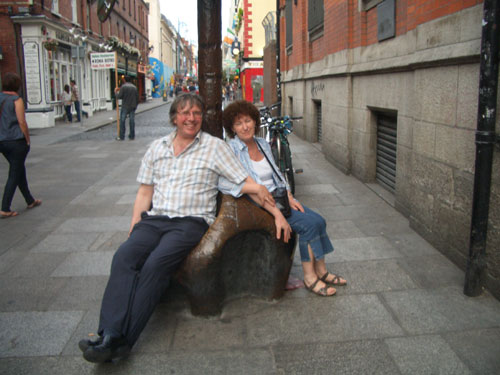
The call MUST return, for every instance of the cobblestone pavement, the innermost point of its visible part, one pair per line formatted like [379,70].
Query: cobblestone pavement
[402,312]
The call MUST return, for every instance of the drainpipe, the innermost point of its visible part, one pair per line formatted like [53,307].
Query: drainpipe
[278,57]
[485,143]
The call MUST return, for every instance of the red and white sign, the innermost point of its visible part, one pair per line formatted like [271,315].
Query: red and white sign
[102,60]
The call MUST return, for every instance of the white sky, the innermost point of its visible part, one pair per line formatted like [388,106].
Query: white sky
[186,11]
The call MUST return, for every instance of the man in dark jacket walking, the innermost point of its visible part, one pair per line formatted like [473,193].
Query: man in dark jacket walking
[130,99]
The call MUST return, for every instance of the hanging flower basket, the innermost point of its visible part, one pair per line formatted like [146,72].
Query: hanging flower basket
[50,44]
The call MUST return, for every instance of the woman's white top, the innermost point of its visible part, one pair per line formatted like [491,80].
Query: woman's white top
[66,98]
[265,173]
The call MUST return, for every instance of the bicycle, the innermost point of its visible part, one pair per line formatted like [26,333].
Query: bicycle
[275,131]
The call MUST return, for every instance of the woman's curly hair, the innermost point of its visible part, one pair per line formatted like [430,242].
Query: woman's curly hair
[236,109]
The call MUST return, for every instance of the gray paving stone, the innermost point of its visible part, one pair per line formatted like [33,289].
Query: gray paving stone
[31,334]
[205,333]
[245,361]
[161,330]
[71,242]
[109,241]
[127,199]
[98,209]
[374,212]
[315,189]
[36,265]
[85,264]
[433,271]
[425,355]
[372,276]
[87,328]
[93,224]
[478,349]
[343,230]
[341,318]
[392,225]
[28,294]
[28,366]
[95,155]
[365,248]
[355,357]
[79,293]
[119,189]
[442,310]
[411,244]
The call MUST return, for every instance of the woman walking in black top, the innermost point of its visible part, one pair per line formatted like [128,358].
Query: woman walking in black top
[14,144]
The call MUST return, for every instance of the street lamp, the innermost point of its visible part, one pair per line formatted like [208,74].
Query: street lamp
[80,39]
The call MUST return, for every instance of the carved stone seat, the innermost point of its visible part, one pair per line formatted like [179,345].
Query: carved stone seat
[239,255]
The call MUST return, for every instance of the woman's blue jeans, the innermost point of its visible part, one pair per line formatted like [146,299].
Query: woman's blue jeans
[15,152]
[311,228]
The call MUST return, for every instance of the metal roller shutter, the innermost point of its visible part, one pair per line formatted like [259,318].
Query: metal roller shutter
[319,120]
[386,151]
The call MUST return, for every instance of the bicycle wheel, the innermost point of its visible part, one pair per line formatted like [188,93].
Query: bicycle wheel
[287,170]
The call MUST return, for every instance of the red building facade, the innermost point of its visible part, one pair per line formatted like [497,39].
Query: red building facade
[390,90]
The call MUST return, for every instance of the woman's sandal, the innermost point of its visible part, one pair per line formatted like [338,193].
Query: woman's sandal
[36,203]
[323,292]
[336,279]
[6,214]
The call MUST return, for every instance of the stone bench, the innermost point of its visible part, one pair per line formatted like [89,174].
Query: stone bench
[239,255]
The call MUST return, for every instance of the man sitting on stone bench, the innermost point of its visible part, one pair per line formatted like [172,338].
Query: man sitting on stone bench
[179,175]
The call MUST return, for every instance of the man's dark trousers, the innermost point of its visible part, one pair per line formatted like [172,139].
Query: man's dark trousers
[141,271]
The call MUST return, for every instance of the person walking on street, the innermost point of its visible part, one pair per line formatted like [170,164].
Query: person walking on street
[75,97]
[130,99]
[66,99]
[175,204]
[14,144]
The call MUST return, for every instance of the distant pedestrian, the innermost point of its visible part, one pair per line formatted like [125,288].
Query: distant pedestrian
[130,99]
[178,90]
[14,144]
[66,99]
[75,97]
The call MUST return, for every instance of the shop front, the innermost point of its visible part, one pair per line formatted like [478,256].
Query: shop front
[53,57]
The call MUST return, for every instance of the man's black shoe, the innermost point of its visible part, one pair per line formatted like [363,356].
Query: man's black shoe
[110,348]
[86,343]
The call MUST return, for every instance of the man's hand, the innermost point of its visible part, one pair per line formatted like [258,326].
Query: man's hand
[142,203]
[265,196]
[257,192]
[295,204]
[282,226]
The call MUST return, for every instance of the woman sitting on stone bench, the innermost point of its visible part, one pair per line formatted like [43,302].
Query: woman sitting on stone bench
[241,120]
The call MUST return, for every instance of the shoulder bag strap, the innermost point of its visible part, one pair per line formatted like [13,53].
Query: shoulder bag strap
[271,164]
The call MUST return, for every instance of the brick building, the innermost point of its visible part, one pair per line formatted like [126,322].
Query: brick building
[390,90]
[48,42]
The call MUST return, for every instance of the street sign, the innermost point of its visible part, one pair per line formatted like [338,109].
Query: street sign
[102,60]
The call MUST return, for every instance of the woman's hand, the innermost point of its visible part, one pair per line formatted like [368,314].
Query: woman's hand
[295,204]
[282,226]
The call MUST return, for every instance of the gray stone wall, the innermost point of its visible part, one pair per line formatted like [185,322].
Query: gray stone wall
[429,78]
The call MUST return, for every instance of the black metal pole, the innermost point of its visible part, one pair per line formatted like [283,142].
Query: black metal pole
[278,57]
[485,142]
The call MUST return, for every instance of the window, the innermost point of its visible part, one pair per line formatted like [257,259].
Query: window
[74,15]
[129,8]
[365,5]
[55,6]
[135,7]
[289,25]
[315,19]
